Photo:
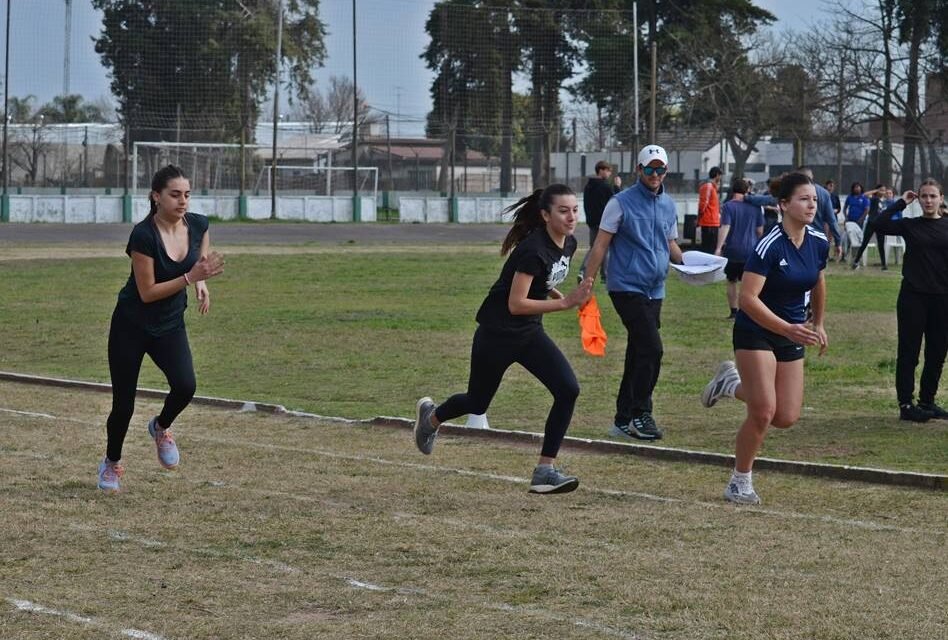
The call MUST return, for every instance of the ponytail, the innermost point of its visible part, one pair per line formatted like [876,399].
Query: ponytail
[527,214]
[160,180]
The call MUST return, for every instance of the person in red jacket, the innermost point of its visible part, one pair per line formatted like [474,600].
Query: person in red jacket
[709,211]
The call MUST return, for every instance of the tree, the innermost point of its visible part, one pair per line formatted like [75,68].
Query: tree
[28,145]
[71,108]
[474,53]
[918,21]
[332,111]
[732,88]
[201,68]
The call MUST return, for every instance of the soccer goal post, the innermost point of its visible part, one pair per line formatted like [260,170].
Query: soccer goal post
[234,167]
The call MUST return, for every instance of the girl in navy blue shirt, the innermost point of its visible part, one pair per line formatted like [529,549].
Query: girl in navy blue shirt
[170,250]
[510,329]
[770,331]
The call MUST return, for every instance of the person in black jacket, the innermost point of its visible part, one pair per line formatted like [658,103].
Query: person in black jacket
[596,195]
[922,306]
[510,329]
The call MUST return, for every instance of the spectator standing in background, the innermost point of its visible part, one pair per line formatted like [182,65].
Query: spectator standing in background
[599,189]
[742,225]
[709,210]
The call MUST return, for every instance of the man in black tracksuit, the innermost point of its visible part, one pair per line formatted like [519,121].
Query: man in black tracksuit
[596,194]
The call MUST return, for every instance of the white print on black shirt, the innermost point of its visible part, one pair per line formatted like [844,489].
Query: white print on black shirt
[558,272]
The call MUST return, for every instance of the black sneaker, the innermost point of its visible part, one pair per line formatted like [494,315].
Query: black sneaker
[936,412]
[642,427]
[914,413]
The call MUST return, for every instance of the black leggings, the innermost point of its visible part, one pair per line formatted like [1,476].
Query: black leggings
[867,238]
[128,345]
[920,315]
[492,353]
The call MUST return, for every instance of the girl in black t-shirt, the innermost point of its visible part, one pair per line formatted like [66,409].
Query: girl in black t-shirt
[169,251]
[922,307]
[510,328]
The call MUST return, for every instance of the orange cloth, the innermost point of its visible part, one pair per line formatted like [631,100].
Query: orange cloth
[709,208]
[590,328]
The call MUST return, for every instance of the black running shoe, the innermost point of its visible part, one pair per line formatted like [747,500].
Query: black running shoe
[937,412]
[913,413]
[642,427]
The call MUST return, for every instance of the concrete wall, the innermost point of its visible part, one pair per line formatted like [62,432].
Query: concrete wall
[416,209]
[102,208]
[412,209]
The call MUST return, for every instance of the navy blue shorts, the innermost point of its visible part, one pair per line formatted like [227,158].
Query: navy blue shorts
[783,348]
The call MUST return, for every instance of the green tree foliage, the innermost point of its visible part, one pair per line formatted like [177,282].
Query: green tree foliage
[70,108]
[203,66]
[474,55]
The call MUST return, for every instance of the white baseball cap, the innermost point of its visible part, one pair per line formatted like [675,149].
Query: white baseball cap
[652,152]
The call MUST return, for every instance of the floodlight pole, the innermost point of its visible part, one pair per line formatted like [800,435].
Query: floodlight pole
[5,197]
[653,132]
[276,110]
[635,71]
[356,202]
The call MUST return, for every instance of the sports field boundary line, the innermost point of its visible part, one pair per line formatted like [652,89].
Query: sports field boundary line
[870,475]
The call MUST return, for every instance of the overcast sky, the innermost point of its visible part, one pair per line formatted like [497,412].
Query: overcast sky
[391,36]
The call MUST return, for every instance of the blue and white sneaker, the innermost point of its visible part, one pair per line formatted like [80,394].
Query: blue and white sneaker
[740,493]
[425,433]
[110,473]
[168,456]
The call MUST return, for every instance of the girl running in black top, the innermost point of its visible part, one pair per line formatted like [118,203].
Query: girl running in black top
[510,328]
[922,307]
[169,251]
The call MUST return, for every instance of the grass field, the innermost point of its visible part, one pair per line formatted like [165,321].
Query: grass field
[360,331]
[279,527]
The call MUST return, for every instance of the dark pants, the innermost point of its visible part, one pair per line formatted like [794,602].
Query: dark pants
[492,353]
[709,239]
[920,315]
[867,238]
[643,353]
[593,232]
[128,345]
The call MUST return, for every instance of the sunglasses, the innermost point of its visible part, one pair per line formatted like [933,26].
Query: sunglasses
[658,171]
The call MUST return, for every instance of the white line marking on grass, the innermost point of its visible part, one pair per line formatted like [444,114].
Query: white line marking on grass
[121,536]
[850,522]
[365,585]
[142,635]
[32,607]
[31,414]
[47,416]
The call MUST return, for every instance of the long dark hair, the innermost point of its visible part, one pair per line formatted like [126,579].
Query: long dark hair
[527,216]
[160,180]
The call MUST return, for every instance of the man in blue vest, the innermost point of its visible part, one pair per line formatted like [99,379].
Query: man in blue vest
[639,230]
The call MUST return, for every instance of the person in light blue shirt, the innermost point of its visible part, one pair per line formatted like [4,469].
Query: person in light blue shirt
[639,230]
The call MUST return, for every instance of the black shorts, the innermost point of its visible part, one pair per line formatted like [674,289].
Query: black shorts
[734,271]
[783,348]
